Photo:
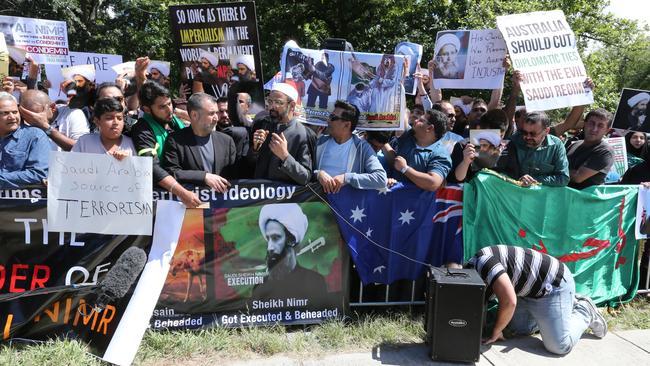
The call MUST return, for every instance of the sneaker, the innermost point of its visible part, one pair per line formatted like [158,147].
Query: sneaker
[598,324]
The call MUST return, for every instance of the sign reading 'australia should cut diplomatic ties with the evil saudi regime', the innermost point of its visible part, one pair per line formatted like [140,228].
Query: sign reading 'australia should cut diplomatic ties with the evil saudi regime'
[543,47]
[95,193]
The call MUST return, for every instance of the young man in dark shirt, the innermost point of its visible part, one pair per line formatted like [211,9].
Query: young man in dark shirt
[590,159]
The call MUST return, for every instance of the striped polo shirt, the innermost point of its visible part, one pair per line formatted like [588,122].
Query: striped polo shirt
[532,273]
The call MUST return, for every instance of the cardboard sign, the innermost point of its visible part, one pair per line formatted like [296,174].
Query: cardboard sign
[94,193]
[470,59]
[543,47]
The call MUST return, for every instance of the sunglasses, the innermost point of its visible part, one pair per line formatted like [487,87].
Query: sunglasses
[334,118]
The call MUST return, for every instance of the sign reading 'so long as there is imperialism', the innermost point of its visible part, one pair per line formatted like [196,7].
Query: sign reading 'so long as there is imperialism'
[543,47]
[94,193]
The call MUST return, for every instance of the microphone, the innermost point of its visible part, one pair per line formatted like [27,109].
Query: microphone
[121,277]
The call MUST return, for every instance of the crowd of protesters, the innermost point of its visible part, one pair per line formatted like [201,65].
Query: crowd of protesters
[205,141]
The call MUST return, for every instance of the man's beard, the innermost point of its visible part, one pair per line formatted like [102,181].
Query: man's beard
[448,69]
[224,122]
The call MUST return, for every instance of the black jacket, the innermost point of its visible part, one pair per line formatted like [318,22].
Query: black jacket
[183,158]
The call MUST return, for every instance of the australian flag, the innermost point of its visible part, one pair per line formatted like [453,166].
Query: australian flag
[392,234]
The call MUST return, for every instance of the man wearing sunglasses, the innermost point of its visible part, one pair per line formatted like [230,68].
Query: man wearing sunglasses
[343,158]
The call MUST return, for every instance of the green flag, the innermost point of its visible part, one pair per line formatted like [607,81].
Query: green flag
[591,231]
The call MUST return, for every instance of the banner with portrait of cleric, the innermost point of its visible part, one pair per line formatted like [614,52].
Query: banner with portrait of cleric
[51,280]
[543,47]
[264,253]
[414,53]
[45,41]
[632,112]
[219,51]
[469,59]
[370,81]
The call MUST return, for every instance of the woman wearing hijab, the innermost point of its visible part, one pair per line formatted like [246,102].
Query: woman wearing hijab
[636,145]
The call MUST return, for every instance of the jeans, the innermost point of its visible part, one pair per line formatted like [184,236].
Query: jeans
[322,99]
[559,321]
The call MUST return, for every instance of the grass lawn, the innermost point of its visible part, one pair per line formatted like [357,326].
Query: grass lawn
[362,331]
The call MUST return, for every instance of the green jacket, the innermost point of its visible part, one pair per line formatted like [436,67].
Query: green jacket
[546,163]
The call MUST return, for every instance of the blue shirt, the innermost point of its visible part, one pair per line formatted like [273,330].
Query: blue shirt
[430,159]
[23,157]
[334,160]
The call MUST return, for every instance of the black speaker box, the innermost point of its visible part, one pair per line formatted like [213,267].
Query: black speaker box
[454,314]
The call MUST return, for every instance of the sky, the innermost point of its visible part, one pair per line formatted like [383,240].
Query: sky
[631,9]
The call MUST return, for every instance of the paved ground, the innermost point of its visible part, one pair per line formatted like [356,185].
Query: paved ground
[630,347]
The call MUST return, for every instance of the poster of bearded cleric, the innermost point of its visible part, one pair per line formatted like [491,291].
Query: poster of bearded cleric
[370,81]
[264,253]
[632,112]
[219,53]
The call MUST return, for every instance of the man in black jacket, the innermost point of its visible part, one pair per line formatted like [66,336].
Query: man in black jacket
[199,154]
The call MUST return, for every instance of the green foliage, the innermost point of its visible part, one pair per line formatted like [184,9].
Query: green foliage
[141,27]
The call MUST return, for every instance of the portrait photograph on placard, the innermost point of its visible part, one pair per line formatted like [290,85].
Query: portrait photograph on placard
[632,111]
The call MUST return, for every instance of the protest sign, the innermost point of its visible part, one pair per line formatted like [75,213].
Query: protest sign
[103,64]
[95,193]
[219,51]
[370,81]
[642,225]
[4,58]
[414,53]
[264,253]
[543,47]
[632,111]
[470,59]
[52,277]
[601,257]
[620,159]
[46,41]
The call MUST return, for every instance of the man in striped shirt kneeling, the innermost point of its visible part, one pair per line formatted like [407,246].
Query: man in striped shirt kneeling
[536,292]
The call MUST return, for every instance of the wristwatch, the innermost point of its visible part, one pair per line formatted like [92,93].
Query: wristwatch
[403,170]
[48,131]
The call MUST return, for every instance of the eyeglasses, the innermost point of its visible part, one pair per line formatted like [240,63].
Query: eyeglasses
[276,102]
[334,118]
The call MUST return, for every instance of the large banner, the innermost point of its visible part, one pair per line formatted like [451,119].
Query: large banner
[219,51]
[46,41]
[632,111]
[103,64]
[48,281]
[591,231]
[370,81]
[469,59]
[543,47]
[263,253]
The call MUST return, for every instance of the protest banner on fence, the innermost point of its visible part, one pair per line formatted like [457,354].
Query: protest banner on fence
[50,281]
[219,51]
[620,159]
[46,41]
[602,256]
[96,193]
[543,47]
[264,253]
[469,59]
[632,112]
[4,58]
[103,64]
[371,81]
[414,53]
